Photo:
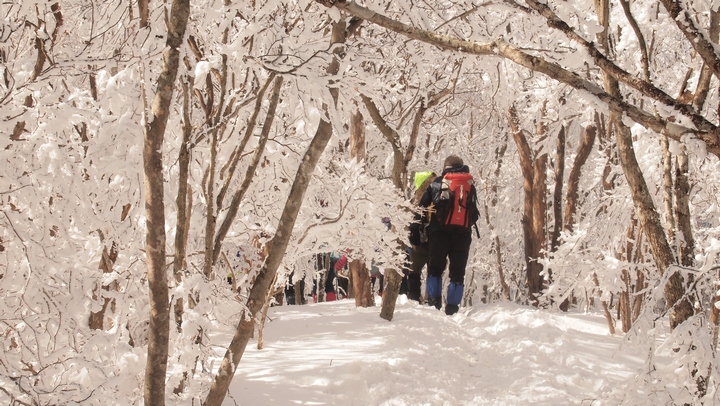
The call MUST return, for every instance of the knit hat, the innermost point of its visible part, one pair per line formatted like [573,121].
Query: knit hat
[420,178]
[452,160]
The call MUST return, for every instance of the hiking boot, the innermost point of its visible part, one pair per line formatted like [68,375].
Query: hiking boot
[451,309]
[435,301]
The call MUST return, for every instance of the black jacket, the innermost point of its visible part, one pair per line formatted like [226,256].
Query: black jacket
[427,199]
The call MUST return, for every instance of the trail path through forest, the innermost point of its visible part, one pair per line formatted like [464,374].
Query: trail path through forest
[499,354]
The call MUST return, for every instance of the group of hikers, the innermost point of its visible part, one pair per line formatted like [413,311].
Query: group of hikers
[439,234]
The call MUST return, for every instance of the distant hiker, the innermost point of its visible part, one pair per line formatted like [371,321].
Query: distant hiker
[377,278]
[451,212]
[418,251]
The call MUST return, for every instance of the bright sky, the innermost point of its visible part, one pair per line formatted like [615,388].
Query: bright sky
[498,354]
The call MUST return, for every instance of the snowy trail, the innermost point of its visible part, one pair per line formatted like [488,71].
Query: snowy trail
[499,354]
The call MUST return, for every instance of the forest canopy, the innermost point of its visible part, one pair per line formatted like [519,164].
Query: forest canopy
[167,167]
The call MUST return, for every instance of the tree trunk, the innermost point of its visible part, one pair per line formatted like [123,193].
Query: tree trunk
[606,308]
[668,188]
[644,206]
[624,302]
[278,245]
[183,205]
[680,309]
[557,192]
[211,213]
[299,288]
[534,206]
[276,251]
[686,241]
[234,205]
[361,284]
[496,245]
[390,293]
[390,134]
[539,222]
[357,136]
[322,273]
[583,154]
[263,314]
[107,260]
[158,333]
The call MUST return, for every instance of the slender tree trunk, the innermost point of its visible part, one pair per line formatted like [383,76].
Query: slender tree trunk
[583,154]
[323,272]
[390,134]
[680,310]
[107,260]
[557,192]
[527,171]
[144,12]
[183,215]
[686,241]
[640,284]
[279,243]
[276,252]
[158,334]
[234,205]
[605,306]
[496,245]
[668,188]
[211,214]
[357,136]
[624,305]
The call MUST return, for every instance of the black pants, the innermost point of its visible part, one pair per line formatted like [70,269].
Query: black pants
[418,259]
[453,245]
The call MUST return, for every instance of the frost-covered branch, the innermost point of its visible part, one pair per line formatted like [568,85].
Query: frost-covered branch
[693,33]
[707,132]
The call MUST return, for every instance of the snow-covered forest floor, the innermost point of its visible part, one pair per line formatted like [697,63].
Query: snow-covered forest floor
[498,354]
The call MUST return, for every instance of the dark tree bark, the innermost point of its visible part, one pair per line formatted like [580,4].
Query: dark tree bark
[361,284]
[144,12]
[557,192]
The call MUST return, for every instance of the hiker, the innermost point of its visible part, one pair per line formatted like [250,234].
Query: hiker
[451,206]
[377,278]
[330,294]
[418,250]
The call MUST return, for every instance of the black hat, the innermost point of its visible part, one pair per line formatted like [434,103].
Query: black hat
[452,160]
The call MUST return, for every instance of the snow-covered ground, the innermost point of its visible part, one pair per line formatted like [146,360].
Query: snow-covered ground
[498,354]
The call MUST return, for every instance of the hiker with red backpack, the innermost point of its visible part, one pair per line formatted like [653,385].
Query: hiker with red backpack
[450,210]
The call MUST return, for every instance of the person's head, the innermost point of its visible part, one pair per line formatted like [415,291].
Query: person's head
[452,161]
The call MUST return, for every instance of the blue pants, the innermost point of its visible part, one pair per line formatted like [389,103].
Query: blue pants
[453,246]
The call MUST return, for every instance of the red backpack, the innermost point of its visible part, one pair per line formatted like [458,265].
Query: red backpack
[455,199]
